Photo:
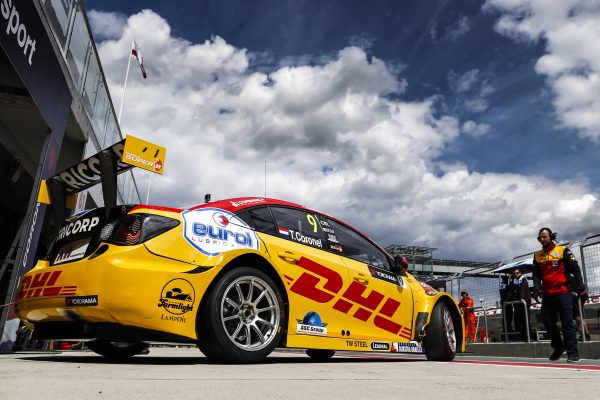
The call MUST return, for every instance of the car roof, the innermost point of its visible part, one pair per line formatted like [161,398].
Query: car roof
[241,203]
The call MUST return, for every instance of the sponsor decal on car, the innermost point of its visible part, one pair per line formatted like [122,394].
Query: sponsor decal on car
[429,291]
[311,325]
[332,238]
[177,297]
[360,344]
[72,251]
[410,347]
[308,240]
[214,231]
[336,247]
[81,225]
[81,301]
[43,284]
[380,346]
[322,284]
[385,275]
[246,202]
[172,318]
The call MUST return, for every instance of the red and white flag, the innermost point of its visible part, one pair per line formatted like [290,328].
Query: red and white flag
[137,53]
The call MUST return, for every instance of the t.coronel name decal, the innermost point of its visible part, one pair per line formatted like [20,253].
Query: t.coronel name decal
[214,231]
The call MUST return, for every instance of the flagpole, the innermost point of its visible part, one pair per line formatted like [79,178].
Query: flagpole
[148,191]
[125,85]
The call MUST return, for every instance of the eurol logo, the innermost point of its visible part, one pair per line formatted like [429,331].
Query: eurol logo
[213,231]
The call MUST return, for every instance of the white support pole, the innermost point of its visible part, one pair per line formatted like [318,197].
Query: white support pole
[148,191]
[125,85]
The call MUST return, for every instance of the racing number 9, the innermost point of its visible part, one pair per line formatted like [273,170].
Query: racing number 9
[311,220]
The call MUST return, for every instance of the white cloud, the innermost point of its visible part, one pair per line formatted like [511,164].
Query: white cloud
[571,30]
[471,84]
[474,129]
[106,25]
[334,140]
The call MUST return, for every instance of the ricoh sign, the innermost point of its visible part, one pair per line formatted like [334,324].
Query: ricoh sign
[16,29]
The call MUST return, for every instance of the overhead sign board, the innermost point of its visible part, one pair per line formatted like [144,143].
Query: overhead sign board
[143,154]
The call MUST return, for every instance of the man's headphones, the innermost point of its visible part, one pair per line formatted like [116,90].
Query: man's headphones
[552,234]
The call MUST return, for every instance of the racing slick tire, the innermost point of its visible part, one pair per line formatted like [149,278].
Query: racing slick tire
[243,318]
[117,350]
[440,337]
[320,355]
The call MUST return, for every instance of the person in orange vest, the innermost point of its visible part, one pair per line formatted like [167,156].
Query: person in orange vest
[466,306]
[551,269]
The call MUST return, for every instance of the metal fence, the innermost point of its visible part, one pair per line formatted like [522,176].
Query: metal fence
[590,260]
[485,291]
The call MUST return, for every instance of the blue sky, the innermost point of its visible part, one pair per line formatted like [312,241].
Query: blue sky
[480,115]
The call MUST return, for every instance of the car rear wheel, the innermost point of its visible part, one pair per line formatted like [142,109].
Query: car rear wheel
[117,350]
[320,355]
[440,338]
[242,319]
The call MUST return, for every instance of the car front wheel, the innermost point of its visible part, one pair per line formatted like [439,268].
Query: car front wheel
[242,319]
[440,338]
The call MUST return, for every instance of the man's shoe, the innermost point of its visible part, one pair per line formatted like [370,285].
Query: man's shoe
[556,355]
[573,359]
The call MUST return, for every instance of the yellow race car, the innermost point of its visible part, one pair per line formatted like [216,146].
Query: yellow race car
[239,278]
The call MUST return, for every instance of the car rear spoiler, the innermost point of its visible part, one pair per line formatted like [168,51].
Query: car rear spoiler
[60,191]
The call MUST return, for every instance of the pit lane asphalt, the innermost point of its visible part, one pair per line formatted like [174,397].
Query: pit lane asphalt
[184,374]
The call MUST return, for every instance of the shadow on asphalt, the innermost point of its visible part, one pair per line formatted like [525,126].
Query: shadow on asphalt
[150,360]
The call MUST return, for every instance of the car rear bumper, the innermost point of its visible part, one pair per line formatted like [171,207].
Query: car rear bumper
[126,286]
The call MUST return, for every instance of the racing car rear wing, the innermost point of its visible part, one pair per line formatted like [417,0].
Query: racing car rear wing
[60,191]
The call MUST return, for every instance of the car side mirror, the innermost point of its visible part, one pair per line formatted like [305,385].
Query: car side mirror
[398,267]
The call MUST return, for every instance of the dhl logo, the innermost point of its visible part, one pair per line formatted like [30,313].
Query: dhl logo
[306,286]
[43,284]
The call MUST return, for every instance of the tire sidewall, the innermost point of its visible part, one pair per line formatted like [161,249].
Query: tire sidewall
[211,325]
[437,347]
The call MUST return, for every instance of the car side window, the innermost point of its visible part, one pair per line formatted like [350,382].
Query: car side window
[356,247]
[298,226]
[260,219]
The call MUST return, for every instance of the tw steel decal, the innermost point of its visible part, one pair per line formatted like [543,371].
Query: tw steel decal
[43,284]
[354,295]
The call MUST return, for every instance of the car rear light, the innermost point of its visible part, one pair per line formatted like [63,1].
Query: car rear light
[136,228]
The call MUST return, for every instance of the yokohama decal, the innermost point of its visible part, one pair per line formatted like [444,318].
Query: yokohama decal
[355,296]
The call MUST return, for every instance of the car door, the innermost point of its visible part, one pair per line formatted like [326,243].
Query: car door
[314,276]
[379,303]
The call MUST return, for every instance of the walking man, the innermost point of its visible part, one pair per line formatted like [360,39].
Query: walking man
[551,268]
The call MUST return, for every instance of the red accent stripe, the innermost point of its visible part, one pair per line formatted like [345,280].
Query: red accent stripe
[342,306]
[39,280]
[386,324]
[52,291]
[535,365]
[53,278]
[390,307]
[362,314]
